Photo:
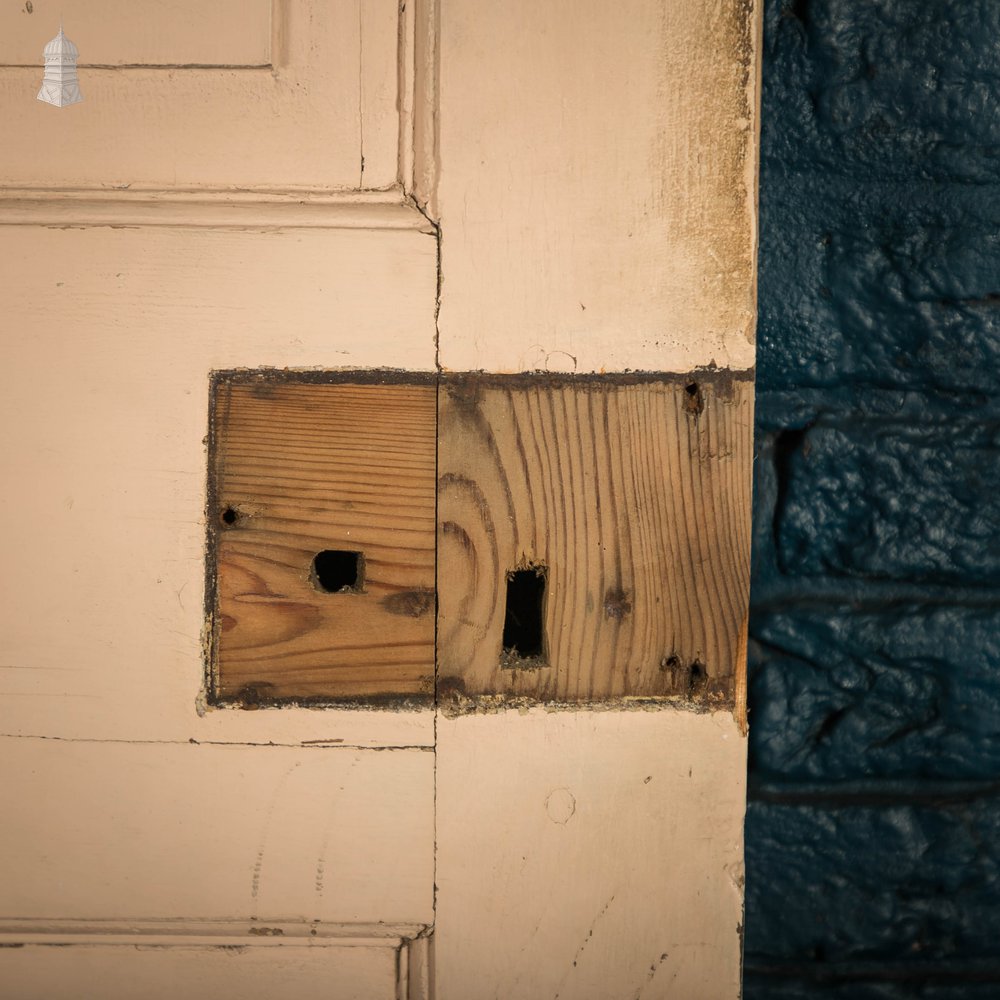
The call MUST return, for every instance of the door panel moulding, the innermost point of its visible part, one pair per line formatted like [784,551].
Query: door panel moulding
[218,209]
[298,179]
[261,932]
[303,960]
[419,113]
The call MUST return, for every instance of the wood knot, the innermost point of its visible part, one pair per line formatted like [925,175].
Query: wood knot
[451,689]
[409,603]
[617,603]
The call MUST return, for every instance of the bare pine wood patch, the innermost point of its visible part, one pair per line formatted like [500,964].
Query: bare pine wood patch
[321,524]
[630,500]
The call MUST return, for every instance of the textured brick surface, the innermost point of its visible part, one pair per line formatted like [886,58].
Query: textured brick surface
[906,692]
[906,987]
[879,284]
[898,89]
[894,499]
[833,884]
[873,834]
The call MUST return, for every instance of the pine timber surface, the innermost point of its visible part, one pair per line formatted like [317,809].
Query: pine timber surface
[633,498]
[308,467]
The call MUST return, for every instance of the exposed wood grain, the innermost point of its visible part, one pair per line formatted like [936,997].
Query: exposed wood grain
[633,498]
[300,467]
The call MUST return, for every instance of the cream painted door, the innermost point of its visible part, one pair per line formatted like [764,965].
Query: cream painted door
[434,187]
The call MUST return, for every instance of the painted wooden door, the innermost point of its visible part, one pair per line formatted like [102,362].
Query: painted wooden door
[463,193]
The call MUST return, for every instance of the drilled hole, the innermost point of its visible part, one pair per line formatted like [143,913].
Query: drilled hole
[699,677]
[694,403]
[230,516]
[335,571]
[522,627]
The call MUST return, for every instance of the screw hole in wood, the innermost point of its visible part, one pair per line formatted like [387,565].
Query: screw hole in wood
[694,402]
[336,571]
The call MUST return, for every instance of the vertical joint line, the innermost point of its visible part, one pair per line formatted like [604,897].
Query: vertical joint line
[437,303]
[437,500]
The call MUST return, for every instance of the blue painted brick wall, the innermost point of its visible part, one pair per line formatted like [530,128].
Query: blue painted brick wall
[873,828]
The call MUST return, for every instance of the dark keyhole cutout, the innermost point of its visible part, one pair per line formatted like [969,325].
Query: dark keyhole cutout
[337,572]
[522,627]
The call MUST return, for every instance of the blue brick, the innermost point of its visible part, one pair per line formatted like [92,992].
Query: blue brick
[892,500]
[886,286]
[909,692]
[873,883]
[898,87]
[757,986]
[875,657]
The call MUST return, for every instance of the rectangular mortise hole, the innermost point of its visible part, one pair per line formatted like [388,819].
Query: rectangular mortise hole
[522,626]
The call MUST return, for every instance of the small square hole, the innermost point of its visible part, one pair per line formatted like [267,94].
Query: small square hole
[335,571]
[522,627]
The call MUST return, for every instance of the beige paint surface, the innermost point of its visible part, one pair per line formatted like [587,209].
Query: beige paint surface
[150,32]
[96,972]
[110,336]
[118,830]
[592,167]
[600,852]
[299,122]
[597,192]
